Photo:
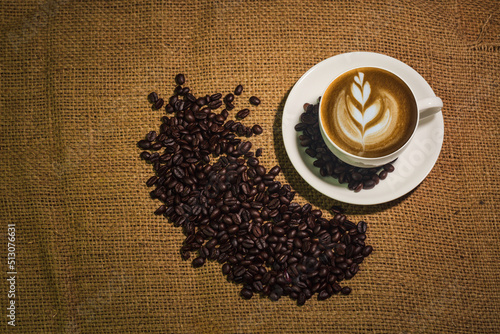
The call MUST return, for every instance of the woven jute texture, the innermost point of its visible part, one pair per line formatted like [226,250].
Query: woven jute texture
[92,257]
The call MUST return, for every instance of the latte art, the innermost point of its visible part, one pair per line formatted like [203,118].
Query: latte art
[368,112]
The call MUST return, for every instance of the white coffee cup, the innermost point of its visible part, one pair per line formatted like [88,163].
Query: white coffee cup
[427,106]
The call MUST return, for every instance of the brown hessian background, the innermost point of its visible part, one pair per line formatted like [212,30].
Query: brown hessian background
[93,258]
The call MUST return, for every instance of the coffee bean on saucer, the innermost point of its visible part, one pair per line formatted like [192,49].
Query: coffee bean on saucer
[356,178]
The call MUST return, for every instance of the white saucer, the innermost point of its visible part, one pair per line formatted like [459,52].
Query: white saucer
[412,166]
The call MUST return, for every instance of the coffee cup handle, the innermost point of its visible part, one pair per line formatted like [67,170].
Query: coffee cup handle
[429,106]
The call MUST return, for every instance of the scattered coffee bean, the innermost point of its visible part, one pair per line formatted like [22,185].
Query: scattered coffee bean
[229,98]
[153,97]
[235,212]
[158,104]
[243,113]
[198,262]
[257,129]
[254,100]
[246,293]
[238,90]
[180,79]
[362,227]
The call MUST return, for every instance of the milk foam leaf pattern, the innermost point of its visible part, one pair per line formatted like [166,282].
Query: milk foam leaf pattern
[361,112]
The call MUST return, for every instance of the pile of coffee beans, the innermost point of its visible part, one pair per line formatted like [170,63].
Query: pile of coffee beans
[329,165]
[232,209]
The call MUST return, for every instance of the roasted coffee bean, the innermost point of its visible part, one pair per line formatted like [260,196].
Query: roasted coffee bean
[229,98]
[226,268]
[308,119]
[151,181]
[216,96]
[389,168]
[198,262]
[362,227]
[158,104]
[275,170]
[239,271]
[242,113]
[246,293]
[345,290]
[257,129]
[151,136]
[169,109]
[173,100]
[145,155]
[153,97]
[367,251]
[301,127]
[254,100]
[245,147]
[180,79]
[368,184]
[238,90]
[215,104]
[161,210]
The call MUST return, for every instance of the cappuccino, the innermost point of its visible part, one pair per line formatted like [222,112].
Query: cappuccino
[369,112]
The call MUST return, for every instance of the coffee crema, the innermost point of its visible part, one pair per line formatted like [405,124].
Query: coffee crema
[369,112]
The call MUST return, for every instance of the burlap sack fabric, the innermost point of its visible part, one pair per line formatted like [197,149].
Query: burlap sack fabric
[93,258]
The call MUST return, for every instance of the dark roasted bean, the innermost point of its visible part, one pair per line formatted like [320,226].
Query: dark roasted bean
[152,180]
[345,290]
[389,168]
[254,100]
[198,262]
[215,104]
[367,251]
[180,79]
[245,147]
[226,268]
[216,96]
[238,90]
[246,293]
[368,184]
[275,170]
[153,97]
[257,129]
[362,227]
[158,104]
[145,155]
[242,113]
[300,127]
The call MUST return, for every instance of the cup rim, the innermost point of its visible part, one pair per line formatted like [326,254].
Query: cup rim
[360,158]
